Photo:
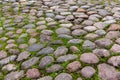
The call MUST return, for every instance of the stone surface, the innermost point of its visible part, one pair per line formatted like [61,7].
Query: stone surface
[115,48]
[107,72]
[73,66]
[63,76]
[105,43]
[14,75]
[115,61]
[88,71]
[65,58]
[45,61]
[60,51]
[89,58]
[33,73]
[27,64]
[54,68]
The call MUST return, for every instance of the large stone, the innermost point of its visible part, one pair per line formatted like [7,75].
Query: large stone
[23,55]
[62,50]
[63,76]
[114,27]
[65,58]
[115,61]
[104,42]
[46,78]
[35,47]
[89,58]
[115,48]
[62,31]
[46,50]
[88,45]
[14,75]
[112,35]
[101,52]
[45,61]
[107,72]
[3,54]
[88,71]
[8,59]
[54,68]
[73,66]
[78,32]
[27,64]
[33,73]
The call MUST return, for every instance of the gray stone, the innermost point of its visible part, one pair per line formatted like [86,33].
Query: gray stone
[29,26]
[9,67]
[78,32]
[100,32]
[3,54]
[62,50]
[23,55]
[112,35]
[27,64]
[75,41]
[8,59]
[88,71]
[114,60]
[88,45]
[104,42]
[68,57]
[46,50]
[62,31]
[100,25]
[14,75]
[46,78]
[115,48]
[35,47]
[45,61]
[101,52]
[54,68]
[107,72]
[63,76]
[89,58]
[74,66]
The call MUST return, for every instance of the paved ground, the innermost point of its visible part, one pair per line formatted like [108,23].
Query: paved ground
[59,40]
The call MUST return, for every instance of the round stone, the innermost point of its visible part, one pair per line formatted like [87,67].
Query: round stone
[88,71]
[63,76]
[73,66]
[89,58]
[33,73]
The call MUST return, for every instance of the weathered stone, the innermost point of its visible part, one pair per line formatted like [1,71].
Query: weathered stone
[104,42]
[54,68]
[88,71]
[27,64]
[65,58]
[63,76]
[14,75]
[107,72]
[101,52]
[115,48]
[46,50]
[35,47]
[46,78]
[8,59]
[89,58]
[88,45]
[73,66]
[33,73]
[45,61]
[115,61]
[23,55]
[60,51]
